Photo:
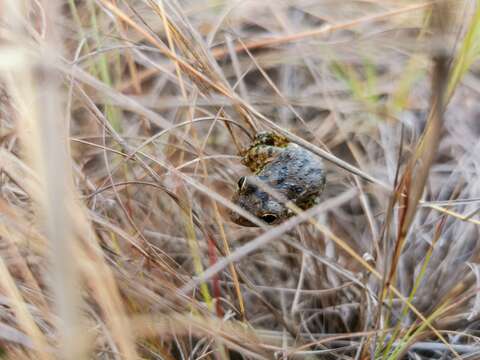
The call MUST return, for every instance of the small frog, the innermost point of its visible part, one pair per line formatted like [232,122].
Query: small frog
[290,172]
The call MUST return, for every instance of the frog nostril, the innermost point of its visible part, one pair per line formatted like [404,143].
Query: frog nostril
[269,218]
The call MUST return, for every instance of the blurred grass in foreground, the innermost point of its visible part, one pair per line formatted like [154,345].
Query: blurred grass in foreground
[121,125]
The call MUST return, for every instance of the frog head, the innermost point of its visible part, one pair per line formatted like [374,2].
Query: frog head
[252,198]
[264,148]
[270,139]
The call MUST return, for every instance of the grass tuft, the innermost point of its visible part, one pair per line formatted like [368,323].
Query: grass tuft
[122,126]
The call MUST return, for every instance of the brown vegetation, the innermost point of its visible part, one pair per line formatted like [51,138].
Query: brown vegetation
[121,125]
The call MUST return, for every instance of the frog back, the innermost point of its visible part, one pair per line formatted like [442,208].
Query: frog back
[297,174]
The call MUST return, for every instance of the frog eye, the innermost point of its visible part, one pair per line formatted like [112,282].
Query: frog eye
[269,218]
[241,182]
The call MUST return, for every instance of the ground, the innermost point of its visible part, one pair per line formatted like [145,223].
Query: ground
[121,129]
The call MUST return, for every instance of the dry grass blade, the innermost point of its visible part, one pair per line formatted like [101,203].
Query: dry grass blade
[415,176]
[221,52]
[427,147]
[42,152]
[58,205]
[324,30]
[123,134]
[24,318]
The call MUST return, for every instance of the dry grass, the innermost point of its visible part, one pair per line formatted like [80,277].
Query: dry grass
[121,125]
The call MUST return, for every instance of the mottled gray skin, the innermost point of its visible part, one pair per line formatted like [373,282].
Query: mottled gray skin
[294,174]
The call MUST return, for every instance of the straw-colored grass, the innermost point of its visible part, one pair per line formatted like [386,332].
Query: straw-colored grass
[122,125]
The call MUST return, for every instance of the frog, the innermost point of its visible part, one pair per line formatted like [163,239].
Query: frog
[282,172]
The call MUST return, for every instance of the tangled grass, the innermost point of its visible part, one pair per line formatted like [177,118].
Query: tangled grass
[122,125]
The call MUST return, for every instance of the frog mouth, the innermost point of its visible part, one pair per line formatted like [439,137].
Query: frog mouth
[240,220]
[235,216]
